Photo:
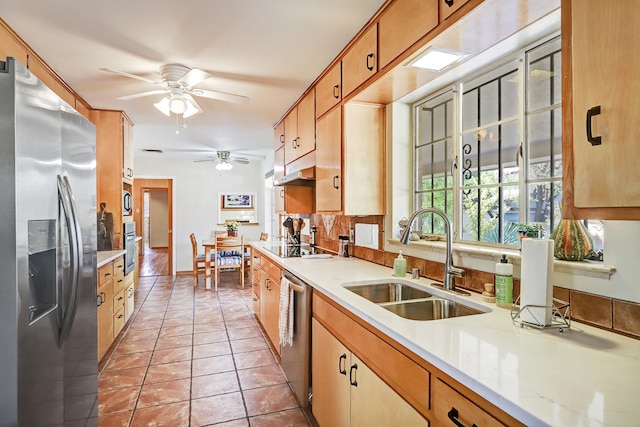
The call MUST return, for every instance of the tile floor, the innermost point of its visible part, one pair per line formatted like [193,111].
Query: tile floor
[192,357]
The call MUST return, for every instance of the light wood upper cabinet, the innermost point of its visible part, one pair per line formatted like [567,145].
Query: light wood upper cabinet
[291,130]
[329,162]
[601,111]
[447,7]
[111,128]
[363,153]
[402,24]
[306,127]
[278,136]
[361,61]
[46,75]
[10,45]
[127,150]
[329,90]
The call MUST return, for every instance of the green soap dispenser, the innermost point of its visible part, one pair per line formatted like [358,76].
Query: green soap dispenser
[400,266]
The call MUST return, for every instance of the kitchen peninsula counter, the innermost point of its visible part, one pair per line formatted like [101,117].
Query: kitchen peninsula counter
[105,257]
[582,376]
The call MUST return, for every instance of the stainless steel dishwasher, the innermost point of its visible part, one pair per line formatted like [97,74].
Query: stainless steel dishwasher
[296,359]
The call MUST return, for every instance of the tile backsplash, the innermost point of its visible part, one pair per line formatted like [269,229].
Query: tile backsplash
[618,316]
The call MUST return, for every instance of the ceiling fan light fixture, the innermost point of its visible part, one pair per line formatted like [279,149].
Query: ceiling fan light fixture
[177,105]
[163,106]
[224,166]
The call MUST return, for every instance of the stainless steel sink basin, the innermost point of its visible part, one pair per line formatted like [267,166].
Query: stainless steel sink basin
[388,292]
[431,309]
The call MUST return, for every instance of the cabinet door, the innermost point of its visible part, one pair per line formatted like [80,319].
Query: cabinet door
[129,301]
[448,404]
[330,372]
[278,136]
[605,96]
[269,309]
[374,403]
[447,7]
[306,126]
[105,318]
[361,62]
[127,150]
[10,46]
[402,24]
[364,160]
[329,90]
[290,133]
[329,162]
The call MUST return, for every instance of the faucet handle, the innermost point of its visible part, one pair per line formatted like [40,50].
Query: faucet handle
[456,272]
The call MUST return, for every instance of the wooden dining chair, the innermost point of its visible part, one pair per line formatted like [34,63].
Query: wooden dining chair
[229,256]
[199,261]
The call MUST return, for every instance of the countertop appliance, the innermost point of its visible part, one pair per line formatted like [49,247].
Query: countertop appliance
[285,250]
[48,316]
[296,358]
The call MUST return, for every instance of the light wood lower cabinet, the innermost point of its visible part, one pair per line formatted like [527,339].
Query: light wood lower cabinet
[347,393]
[269,295]
[450,406]
[116,293]
[105,309]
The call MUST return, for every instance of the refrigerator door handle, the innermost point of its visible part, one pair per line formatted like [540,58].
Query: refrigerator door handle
[75,243]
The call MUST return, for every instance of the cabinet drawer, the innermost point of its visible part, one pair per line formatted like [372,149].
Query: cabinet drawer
[449,405]
[272,269]
[118,282]
[118,266]
[119,300]
[118,322]
[105,273]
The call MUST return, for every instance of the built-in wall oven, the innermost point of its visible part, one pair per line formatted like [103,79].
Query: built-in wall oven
[129,237]
[296,359]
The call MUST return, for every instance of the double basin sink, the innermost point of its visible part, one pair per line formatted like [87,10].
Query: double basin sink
[408,301]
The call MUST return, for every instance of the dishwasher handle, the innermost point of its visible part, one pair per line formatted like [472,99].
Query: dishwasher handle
[296,287]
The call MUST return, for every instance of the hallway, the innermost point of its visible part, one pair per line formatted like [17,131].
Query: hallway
[192,357]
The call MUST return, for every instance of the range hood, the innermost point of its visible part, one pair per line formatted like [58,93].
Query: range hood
[302,177]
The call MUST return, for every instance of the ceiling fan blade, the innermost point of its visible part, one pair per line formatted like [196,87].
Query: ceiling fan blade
[142,94]
[228,97]
[206,160]
[194,77]
[133,76]
[239,160]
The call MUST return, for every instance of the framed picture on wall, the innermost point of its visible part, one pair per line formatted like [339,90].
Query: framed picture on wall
[237,201]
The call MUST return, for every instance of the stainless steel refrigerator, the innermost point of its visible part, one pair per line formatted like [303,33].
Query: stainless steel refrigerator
[48,315]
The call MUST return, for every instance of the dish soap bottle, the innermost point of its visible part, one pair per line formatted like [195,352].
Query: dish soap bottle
[504,283]
[400,266]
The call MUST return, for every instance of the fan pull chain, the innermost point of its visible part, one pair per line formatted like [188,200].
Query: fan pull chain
[177,125]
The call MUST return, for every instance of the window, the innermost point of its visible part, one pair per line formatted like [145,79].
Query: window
[488,151]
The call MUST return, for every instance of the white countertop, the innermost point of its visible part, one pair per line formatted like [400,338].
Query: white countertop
[105,257]
[583,376]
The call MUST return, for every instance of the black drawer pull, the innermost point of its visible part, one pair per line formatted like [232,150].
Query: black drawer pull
[453,416]
[342,367]
[352,381]
[594,140]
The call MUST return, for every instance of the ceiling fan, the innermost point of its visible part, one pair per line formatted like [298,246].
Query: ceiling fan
[179,84]
[224,160]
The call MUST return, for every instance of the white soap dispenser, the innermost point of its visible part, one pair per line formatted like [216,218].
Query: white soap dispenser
[400,266]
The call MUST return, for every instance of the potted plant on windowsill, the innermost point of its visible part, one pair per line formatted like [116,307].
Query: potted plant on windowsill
[232,227]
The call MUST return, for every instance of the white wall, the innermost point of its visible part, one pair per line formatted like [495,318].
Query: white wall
[195,198]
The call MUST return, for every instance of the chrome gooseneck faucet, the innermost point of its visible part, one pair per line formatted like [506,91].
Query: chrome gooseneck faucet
[449,269]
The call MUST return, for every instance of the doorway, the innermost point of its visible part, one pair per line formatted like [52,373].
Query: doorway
[153,215]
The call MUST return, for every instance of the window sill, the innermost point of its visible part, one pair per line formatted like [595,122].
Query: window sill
[586,268]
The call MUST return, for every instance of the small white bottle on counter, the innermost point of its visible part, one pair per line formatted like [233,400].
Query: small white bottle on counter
[400,266]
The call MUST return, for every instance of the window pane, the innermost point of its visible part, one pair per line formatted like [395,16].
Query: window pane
[544,77]
[442,200]
[489,105]
[544,132]
[509,96]
[510,144]
[544,205]
[470,109]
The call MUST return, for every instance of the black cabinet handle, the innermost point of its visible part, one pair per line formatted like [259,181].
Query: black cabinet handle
[448,2]
[336,91]
[334,182]
[453,416]
[354,368]
[369,67]
[597,140]
[342,367]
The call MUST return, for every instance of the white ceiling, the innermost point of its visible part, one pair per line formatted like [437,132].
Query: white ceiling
[269,51]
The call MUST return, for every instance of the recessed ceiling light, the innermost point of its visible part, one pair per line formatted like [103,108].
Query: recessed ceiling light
[437,58]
